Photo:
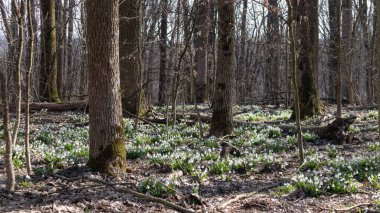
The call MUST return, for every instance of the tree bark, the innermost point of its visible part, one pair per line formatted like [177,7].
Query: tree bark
[347,24]
[292,27]
[48,77]
[225,73]
[11,180]
[69,51]
[273,60]
[242,66]
[363,19]
[335,53]
[200,45]
[20,10]
[27,89]
[305,12]
[133,99]
[61,33]
[162,91]
[107,145]
[83,69]
[378,63]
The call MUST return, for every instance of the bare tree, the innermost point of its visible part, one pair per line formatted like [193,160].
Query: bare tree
[347,24]
[335,53]
[107,145]
[133,98]
[27,89]
[307,32]
[222,119]
[378,62]
[163,52]
[242,65]
[292,26]
[48,76]
[18,9]
[273,60]
[200,45]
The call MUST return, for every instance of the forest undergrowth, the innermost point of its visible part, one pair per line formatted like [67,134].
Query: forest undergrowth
[177,164]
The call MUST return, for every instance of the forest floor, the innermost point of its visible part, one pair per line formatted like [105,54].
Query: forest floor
[262,175]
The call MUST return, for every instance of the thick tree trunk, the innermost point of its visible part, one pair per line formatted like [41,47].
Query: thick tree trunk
[133,99]
[61,33]
[163,80]
[83,66]
[225,73]
[107,145]
[378,62]
[242,65]
[48,77]
[70,59]
[310,103]
[152,74]
[335,53]
[273,60]
[363,19]
[292,27]
[200,45]
[347,22]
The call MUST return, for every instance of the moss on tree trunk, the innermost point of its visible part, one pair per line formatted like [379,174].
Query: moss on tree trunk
[107,145]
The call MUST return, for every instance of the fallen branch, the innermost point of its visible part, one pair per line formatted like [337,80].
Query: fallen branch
[348,209]
[246,195]
[143,120]
[132,192]
[352,207]
[54,107]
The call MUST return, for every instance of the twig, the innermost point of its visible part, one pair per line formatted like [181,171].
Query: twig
[352,207]
[142,119]
[246,195]
[132,192]
[344,209]
[143,196]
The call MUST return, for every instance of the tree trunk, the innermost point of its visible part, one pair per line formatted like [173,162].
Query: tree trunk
[347,22]
[306,30]
[200,45]
[20,9]
[225,73]
[363,19]
[107,145]
[162,93]
[378,62]
[11,180]
[27,89]
[70,60]
[133,99]
[273,60]
[152,74]
[293,11]
[335,53]
[48,77]
[61,33]
[83,69]
[242,66]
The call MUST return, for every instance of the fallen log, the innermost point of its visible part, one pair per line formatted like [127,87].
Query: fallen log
[335,131]
[53,107]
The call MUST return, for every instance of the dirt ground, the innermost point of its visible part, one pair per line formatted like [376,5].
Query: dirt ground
[75,193]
